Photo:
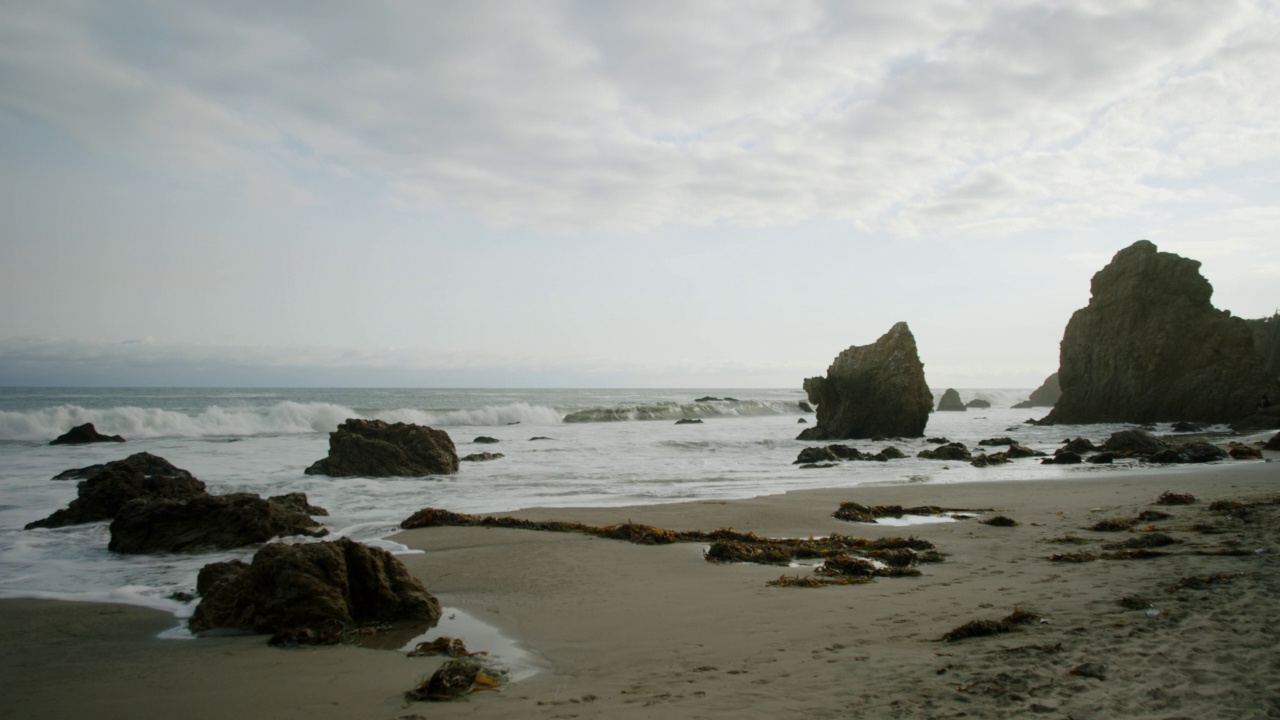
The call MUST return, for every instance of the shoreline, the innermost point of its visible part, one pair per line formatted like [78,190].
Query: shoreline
[624,630]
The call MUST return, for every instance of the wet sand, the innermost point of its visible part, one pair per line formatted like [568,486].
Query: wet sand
[629,631]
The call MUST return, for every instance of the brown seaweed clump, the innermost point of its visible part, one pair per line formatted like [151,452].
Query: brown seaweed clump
[1145,540]
[1127,554]
[1169,498]
[984,628]
[1112,525]
[857,512]
[443,645]
[459,677]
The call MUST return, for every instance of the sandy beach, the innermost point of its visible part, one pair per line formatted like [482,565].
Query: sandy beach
[629,631]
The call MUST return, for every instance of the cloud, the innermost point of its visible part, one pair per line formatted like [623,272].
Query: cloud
[577,116]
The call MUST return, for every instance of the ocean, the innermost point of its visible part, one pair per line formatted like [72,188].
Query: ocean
[596,447]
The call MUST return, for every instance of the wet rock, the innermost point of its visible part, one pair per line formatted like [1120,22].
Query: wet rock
[814,455]
[84,434]
[937,440]
[1183,427]
[1194,452]
[1133,442]
[482,457]
[891,453]
[143,463]
[1102,458]
[298,501]
[109,489]
[1080,446]
[485,440]
[208,522]
[951,401]
[950,451]
[998,441]
[1150,347]
[978,403]
[1064,457]
[689,421]
[1265,419]
[805,407]
[312,585]
[373,448]
[1273,443]
[873,390]
[1018,450]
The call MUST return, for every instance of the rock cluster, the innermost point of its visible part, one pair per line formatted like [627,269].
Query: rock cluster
[1150,347]
[312,585]
[373,448]
[109,487]
[869,391]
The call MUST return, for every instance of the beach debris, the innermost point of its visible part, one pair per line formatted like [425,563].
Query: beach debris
[1112,525]
[459,677]
[1235,508]
[443,645]
[984,628]
[1098,671]
[1172,498]
[999,521]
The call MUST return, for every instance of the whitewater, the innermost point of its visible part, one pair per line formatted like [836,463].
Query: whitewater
[561,448]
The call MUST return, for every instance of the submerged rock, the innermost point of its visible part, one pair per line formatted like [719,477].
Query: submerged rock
[482,457]
[951,401]
[373,448]
[312,585]
[1150,347]
[219,522]
[84,434]
[872,390]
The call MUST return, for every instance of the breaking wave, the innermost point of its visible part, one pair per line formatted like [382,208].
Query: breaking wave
[675,411]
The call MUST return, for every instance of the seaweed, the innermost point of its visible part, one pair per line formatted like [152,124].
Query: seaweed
[1153,516]
[1112,525]
[1133,602]
[1169,498]
[1201,583]
[1145,540]
[1126,554]
[459,677]
[984,628]
[1068,540]
[857,512]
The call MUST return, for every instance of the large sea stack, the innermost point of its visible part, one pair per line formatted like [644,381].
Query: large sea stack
[373,448]
[875,390]
[1150,347]
[1044,396]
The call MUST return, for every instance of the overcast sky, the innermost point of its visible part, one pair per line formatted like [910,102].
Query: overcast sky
[664,194]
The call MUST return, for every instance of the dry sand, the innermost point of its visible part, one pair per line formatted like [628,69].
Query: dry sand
[628,631]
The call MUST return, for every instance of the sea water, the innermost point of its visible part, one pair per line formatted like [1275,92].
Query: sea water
[561,448]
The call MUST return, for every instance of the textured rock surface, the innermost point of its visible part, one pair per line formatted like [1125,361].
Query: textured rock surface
[111,488]
[950,401]
[82,434]
[373,448]
[219,522]
[978,403]
[143,463]
[1150,347]
[875,390]
[311,585]
[1044,396]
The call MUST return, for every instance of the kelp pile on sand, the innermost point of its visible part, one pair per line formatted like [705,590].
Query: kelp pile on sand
[984,628]
[458,677]
[846,560]
[857,512]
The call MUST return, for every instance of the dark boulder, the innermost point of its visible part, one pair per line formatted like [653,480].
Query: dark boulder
[298,501]
[1018,450]
[485,440]
[143,463]
[937,440]
[482,457]
[998,441]
[951,402]
[814,455]
[817,432]
[873,390]
[1079,446]
[1273,443]
[208,522]
[82,435]
[689,421]
[978,403]
[1102,458]
[1265,419]
[101,496]
[891,453]
[1150,347]
[373,448]
[1063,458]
[311,585]
[985,460]
[1133,442]
[951,451]
[1184,427]
[805,407]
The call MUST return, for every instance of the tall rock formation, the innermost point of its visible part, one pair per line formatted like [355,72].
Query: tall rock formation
[1150,347]
[374,448]
[951,401]
[875,390]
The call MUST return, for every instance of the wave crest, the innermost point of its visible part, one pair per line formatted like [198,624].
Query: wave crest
[674,411]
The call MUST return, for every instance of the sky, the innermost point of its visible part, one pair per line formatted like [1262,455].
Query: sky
[611,194]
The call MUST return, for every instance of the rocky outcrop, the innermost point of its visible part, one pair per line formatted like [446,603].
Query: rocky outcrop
[1044,396]
[951,401]
[875,390]
[108,490]
[373,448]
[1150,347]
[483,457]
[84,434]
[312,585]
[950,451]
[143,463]
[208,522]
[978,403]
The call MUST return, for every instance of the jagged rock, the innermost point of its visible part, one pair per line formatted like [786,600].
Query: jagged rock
[373,448]
[1018,450]
[83,434]
[1044,396]
[1133,442]
[481,457]
[1079,446]
[1150,347]
[951,401]
[708,398]
[219,522]
[311,585]
[978,403]
[1273,443]
[817,432]
[144,463]
[113,486]
[951,451]
[873,390]
[298,501]
[984,460]
[814,455]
